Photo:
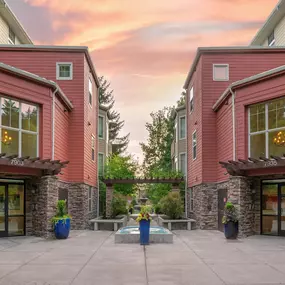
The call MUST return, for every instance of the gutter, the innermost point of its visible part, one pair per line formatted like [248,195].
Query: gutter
[234,123]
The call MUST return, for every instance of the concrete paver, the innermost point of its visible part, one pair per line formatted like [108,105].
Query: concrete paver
[195,258]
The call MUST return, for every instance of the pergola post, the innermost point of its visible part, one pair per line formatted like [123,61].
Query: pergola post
[109,198]
[175,187]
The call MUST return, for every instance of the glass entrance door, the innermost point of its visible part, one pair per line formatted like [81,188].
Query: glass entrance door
[12,209]
[3,220]
[282,210]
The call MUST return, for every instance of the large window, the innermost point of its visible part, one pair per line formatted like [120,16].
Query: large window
[19,128]
[194,145]
[101,127]
[267,129]
[182,127]
[220,72]
[101,164]
[182,166]
[191,100]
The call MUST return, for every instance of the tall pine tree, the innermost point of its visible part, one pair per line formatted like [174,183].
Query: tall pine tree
[106,98]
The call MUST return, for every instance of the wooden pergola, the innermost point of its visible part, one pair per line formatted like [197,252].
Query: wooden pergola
[48,166]
[110,182]
[242,166]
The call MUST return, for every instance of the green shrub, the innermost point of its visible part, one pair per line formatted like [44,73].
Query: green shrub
[61,212]
[157,208]
[172,205]
[118,206]
[230,213]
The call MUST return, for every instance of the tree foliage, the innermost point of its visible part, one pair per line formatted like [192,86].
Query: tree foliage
[119,166]
[106,98]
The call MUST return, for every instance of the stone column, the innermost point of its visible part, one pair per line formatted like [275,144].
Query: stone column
[109,198]
[240,194]
[175,188]
[45,201]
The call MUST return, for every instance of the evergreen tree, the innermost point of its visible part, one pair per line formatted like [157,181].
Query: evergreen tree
[106,98]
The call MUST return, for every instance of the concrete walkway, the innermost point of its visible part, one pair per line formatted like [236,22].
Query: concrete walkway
[195,258]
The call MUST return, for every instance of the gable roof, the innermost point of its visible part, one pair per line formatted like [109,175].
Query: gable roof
[38,79]
[229,50]
[14,23]
[248,80]
[273,19]
[83,49]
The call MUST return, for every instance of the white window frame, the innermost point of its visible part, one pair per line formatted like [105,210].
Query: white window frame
[194,133]
[19,129]
[90,196]
[9,39]
[180,164]
[103,161]
[101,138]
[191,199]
[58,64]
[191,100]
[270,44]
[182,117]
[93,147]
[221,65]
[90,93]
[266,131]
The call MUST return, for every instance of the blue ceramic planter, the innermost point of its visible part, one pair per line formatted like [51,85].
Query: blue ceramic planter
[231,230]
[62,228]
[144,232]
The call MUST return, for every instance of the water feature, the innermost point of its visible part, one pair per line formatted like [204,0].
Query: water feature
[131,234]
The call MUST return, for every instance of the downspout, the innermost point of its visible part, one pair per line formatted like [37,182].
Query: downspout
[234,123]
[53,122]
[186,158]
[98,183]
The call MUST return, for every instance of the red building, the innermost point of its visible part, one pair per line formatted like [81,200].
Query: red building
[48,122]
[235,127]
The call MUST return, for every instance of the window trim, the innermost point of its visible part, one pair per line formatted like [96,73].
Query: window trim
[90,198]
[103,133]
[103,155]
[266,131]
[191,100]
[93,147]
[221,65]
[90,80]
[58,64]
[9,39]
[180,154]
[19,129]
[194,158]
[270,44]
[181,117]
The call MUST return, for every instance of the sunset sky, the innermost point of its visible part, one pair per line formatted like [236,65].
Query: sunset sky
[145,48]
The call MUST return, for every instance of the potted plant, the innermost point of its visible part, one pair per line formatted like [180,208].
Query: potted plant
[144,219]
[230,221]
[61,221]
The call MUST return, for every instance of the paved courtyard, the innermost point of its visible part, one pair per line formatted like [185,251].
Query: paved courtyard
[195,258]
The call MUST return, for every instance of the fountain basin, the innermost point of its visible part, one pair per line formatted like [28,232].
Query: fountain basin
[131,234]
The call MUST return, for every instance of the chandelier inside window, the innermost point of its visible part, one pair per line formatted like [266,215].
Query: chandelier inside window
[279,139]
[6,140]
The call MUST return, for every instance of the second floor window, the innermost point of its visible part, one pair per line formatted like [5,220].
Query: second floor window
[93,148]
[182,166]
[12,37]
[90,93]
[101,127]
[271,39]
[64,71]
[267,129]
[220,72]
[19,128]
[194,145]
[101,164]
[191,100]
[182,127]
